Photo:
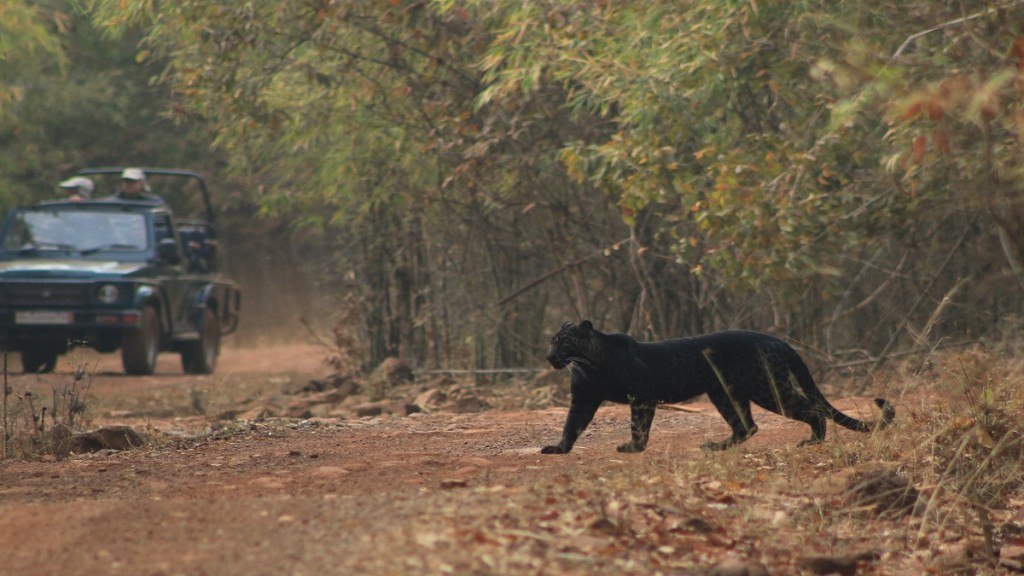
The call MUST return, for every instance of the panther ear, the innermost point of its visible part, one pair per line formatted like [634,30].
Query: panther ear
[586,326]
[566,325]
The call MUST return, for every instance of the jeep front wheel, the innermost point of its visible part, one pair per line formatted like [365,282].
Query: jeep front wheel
[41,361]
[200,356]
[140,347]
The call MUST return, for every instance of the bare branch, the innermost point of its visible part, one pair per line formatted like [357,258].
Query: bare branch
[955,22]
[551,273]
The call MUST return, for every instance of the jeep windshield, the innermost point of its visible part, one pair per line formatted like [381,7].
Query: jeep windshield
[71,233]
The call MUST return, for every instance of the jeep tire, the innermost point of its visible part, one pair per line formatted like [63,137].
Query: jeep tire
[139,348]
[38,360]
[200,356]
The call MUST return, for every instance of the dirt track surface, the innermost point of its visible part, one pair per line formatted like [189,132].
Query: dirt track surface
[425,494]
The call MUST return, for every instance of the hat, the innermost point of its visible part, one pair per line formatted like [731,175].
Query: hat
[133,174]
[84,185]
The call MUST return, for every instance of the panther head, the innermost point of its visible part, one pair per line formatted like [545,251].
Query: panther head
[574,344]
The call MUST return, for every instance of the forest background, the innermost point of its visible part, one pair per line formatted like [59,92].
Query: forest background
[449,181]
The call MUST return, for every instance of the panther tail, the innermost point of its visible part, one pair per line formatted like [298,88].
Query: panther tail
[806,381]
[888,414]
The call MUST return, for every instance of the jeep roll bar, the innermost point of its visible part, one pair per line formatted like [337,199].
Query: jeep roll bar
[162,172]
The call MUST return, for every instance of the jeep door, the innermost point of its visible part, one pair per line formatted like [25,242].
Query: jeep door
[174,282]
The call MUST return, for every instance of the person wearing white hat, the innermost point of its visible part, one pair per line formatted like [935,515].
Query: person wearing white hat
[78,188]
[134,186]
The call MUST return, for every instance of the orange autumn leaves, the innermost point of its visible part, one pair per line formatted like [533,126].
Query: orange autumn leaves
[978,99]
[933,106]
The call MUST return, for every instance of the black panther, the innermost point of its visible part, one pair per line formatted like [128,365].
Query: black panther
[734,368]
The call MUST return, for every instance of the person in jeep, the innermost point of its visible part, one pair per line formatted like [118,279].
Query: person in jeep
[134,187]
[77,188]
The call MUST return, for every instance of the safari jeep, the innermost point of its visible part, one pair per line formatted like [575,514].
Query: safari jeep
[114,274]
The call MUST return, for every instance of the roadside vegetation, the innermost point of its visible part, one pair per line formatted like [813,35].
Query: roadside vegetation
[34,423]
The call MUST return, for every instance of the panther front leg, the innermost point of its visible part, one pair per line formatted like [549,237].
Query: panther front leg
[581,412]
[641,417]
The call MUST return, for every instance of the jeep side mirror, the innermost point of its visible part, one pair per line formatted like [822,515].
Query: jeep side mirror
[168,251]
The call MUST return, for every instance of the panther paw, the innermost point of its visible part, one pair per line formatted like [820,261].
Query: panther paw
[716,446]
[629,448]
[553,450]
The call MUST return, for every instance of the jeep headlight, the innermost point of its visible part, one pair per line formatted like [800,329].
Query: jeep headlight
[108,293]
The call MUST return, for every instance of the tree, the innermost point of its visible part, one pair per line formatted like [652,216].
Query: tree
[765,132]
[953,93]
[77,98]
[28,43]
[665,168]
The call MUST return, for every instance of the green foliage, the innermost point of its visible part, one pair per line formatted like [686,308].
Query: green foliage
[950,84]
[27,42]
[715,120]
[302,95]
[84,101]
[773,149]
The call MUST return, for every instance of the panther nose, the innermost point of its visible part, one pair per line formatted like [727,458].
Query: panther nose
[556,361]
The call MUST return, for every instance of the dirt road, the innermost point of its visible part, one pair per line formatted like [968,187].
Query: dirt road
[431,493]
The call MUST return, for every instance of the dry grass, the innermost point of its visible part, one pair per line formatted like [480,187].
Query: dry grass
[28,419]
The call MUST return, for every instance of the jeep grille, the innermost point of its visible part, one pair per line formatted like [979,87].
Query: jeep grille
[38,294]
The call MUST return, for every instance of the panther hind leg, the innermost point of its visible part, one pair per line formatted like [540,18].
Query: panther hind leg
[730,441]
[736,412]
[817,425]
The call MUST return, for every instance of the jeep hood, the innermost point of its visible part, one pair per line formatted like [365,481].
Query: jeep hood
[42,268]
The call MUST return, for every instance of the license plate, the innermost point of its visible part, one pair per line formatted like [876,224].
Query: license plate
[42,317]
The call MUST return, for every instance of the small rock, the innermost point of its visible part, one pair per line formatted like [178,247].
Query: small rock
[604,526]
[300,413]
[844,566]
[738,567]
[397,408]
[253,414]
[107,438]
[390,373]
[889,493]
[1011,565]
[699,525]
[227,415]
[60,440]
[431,399]
[1012,552]
[321,410]
[369,410]
[832,485]
[341,383]
[469,404]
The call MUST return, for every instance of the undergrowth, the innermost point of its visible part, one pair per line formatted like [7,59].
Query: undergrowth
[32,422]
